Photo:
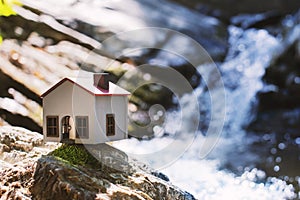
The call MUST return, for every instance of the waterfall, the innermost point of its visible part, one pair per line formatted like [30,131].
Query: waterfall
[251,52]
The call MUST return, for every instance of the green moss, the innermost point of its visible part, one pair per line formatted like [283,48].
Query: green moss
[76,155]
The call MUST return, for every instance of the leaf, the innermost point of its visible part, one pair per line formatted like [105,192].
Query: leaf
[6,7]
[1,39]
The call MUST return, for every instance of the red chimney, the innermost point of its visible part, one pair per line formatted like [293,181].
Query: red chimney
[101,81]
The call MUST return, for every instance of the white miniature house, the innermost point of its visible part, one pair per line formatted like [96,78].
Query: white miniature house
[85,110]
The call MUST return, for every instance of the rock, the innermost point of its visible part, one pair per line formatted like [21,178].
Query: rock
[19,139]
[4,148]
[15,182]
[54,179]
[161,176]
[108,173]
[20,149]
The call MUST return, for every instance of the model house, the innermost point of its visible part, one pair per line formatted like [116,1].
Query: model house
[88,109]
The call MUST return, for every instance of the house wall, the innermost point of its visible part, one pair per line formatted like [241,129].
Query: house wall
[69,99]
[116,105]
[83,105]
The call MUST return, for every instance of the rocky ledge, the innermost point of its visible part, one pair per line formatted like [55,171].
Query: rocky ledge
[32,169]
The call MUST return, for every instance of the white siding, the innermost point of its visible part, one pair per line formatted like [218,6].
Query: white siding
[69,99]
[83,105]
[116,105]
[57,103]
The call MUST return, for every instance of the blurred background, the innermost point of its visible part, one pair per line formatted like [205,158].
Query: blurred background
[255,45]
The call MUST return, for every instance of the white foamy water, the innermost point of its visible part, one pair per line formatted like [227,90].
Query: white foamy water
[203,177]
[250,53]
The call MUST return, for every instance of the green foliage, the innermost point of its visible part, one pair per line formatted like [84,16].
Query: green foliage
[6,7]
[75,154]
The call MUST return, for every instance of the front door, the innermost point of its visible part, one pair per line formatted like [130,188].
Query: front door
[66,127]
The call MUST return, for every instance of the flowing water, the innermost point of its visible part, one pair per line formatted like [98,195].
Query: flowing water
[242,165]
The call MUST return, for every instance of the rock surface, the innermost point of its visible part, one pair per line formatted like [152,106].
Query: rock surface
[19,151]
[28,171]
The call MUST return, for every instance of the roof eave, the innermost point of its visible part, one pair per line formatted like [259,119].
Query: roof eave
[92,93]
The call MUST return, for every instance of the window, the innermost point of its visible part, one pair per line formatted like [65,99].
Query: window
[82,127]
[110,124]
[52,126]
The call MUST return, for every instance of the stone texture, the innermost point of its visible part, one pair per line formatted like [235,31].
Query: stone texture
[19,151]
[54,179]
[28,171]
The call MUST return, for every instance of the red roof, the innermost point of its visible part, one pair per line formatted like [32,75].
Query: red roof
[87,85]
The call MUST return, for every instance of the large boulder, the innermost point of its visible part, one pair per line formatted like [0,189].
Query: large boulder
[32,169]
